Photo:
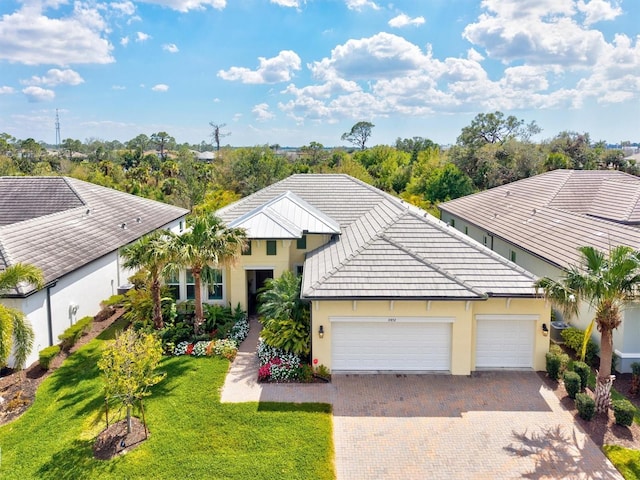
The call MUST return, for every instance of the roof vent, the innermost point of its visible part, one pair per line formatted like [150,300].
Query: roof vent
[507,193]
[123,226]
[138,220]
[88,212]
[534,211]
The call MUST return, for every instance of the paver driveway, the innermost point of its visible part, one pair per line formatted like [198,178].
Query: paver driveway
[493,425]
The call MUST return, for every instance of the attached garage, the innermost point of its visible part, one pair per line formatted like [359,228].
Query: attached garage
[391,344]
[505,341]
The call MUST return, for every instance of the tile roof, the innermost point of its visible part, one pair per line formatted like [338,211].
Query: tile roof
[387,248]
[552,214]
[81,223]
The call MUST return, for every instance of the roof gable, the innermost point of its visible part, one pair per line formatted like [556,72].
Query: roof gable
[286,216]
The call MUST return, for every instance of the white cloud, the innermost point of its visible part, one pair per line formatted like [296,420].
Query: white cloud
[124,41]
[361,4]
[287,3]
[541,32]
[186,5]
[598,10]
[404,20]
[474,55]
[118,87]
[262,113]
[170,47]
[5,90]
[216,100]
[56,77]
[29,37]
[271,70]
[38,94]
[382,55]
[124,8]
[160,87]
[142,37]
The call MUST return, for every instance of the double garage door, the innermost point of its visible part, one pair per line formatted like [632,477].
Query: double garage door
[390,344]
[421,344]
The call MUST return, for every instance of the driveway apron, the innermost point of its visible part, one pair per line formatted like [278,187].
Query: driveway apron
[490,425]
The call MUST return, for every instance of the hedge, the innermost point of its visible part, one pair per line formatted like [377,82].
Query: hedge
[72,334]
[46,355]
[573,338]
[623,410]
[586,406]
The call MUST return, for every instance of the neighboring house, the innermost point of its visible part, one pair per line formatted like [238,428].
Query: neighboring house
[391,287]
[540,222]
[72,231]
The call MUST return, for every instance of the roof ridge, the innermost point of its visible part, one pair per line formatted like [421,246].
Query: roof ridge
[435,267]
[439,224]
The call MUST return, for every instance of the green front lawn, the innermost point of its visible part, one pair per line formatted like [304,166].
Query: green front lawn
[627,461]
[193,435]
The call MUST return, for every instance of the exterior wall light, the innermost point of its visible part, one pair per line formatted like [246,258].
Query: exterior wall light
[321,331]
[545,329]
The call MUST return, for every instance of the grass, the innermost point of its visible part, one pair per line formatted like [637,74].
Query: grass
[627,461]
[193,435]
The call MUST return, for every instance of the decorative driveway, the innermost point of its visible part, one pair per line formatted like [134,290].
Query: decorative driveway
[491,425]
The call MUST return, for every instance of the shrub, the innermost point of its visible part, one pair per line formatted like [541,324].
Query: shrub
[226,348]
[583,370]
[323,372]
[305,373]
[573,339]
[553,365]
[586,406]
[47,355]
[72,334]
[571,383]
[113,301]
[623,410]
[635,368]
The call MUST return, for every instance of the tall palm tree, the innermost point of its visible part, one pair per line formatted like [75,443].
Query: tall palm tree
[154,253]
[14,327]
[207,244]
[606,282]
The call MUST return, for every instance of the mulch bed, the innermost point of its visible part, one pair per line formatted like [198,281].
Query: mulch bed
[18,389]
[114,440]
[602,429]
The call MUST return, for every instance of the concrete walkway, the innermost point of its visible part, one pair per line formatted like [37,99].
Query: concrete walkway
[493,425]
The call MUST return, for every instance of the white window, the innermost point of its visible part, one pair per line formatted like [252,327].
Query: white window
[215,286]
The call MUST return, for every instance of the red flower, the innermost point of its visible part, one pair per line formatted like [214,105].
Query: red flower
[189,349]
[315,361]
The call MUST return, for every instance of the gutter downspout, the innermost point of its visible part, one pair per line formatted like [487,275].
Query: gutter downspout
[49,316]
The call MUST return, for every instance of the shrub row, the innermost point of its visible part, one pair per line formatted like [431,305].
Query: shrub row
[72,334]
[574,337]
[47,355]
[556,362]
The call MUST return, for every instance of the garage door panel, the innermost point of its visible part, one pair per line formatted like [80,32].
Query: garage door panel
[369,346]
[504,343]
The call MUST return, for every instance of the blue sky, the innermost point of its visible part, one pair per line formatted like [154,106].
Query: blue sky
[293,71]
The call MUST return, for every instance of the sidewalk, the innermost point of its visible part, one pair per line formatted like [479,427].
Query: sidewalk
[241,384]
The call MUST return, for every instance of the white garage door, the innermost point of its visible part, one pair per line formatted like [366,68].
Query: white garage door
[390,345]
[505,342]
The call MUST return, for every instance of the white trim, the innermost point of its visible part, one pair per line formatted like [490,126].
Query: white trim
[626,355]
[258,267]
[393,319]
[527,318]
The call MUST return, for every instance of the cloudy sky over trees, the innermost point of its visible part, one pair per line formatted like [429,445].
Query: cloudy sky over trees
[295,71]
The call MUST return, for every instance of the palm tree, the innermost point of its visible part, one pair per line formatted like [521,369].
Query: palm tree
[14,327]
[207,244]
[154,253]
[605,282]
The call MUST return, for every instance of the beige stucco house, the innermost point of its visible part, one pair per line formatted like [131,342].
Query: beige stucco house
[540,222]
[391,287]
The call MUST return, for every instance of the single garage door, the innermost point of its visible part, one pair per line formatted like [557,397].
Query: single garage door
[398,344]
[505,341]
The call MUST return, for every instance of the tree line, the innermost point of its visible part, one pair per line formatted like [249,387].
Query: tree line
[493,150]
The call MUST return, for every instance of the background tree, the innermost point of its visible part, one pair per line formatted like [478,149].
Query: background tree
[359,134]
[217,133]
[163,141]
[606,282]
[154,253]
[71,146]
[414,146]
[129,365]
[206,245]
[16,334]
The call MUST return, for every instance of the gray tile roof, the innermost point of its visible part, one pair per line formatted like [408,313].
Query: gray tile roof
[83,222]
[387,248]
[552,214]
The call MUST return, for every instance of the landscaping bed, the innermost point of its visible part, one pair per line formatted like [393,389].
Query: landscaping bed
[18,388]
